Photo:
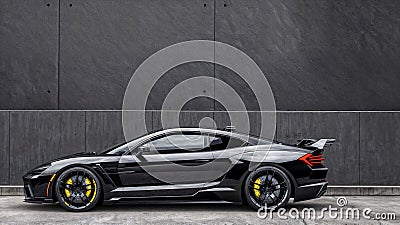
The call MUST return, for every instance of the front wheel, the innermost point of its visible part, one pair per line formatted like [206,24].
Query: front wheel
[267,187]
[78,189]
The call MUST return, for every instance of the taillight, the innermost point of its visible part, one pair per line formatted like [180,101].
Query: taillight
[312,160]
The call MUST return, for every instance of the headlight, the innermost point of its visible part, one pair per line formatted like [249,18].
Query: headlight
[40,169]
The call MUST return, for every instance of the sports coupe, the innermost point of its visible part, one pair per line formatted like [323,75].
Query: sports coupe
[184,165]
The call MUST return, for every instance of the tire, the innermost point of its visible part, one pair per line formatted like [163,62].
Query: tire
[267,186]
[78,189]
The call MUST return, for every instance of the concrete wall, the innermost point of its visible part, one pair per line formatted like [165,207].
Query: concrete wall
[365,152]
[316,54]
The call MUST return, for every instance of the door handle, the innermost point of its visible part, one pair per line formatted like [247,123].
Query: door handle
[127,171]
[203,160]
[195,162]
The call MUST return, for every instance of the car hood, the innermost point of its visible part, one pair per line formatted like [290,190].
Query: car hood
[75,155]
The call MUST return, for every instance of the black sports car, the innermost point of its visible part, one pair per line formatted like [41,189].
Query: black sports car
[184,165]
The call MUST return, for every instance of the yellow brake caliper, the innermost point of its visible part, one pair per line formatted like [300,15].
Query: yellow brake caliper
[94,192]
[89,186]
[67,193]
[257,187]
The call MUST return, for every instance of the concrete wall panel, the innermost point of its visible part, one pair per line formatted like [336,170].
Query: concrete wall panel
[28,54]
[318,54]
[241,87]
[171,82]
[379,151]
[104,128]
[185,119]
[342,158]
[4,148]
[359,157]
[224,119]
[37,137]
[103,42]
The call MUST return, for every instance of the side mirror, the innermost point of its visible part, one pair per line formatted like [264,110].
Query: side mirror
[217,141]
[142,149]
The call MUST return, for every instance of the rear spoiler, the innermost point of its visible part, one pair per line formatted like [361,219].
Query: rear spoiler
[312,143]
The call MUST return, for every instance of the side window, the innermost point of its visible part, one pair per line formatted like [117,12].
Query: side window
[224,142]
[178,143]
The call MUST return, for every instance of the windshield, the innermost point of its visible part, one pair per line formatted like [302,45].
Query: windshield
[116,149]
[120,149]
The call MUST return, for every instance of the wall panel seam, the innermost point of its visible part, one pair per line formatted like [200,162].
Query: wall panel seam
[359,148]
[120,110]
[9,147]
[214,11]
[58,54]
[152,120]
[85,137]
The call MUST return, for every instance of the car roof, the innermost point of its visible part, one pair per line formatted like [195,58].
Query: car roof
[247,137]
[253,140]
[197,129]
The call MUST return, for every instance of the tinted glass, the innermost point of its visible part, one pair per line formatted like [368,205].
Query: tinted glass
[178,144]
[118,150]
[224,142]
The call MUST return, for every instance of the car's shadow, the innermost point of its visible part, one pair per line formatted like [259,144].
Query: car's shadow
[169,207]
[148,207]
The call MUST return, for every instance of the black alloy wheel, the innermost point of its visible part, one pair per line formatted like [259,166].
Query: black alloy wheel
[78,189]
[267,187]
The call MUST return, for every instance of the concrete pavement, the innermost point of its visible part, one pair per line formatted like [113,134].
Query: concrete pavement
[14,211]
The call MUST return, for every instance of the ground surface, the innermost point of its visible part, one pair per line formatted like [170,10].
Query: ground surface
[14,211]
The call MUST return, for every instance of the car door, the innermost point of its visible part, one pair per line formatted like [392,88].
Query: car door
[176,162]
[223,148]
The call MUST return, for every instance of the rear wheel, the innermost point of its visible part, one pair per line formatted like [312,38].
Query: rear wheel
[78,189]
[267,187]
